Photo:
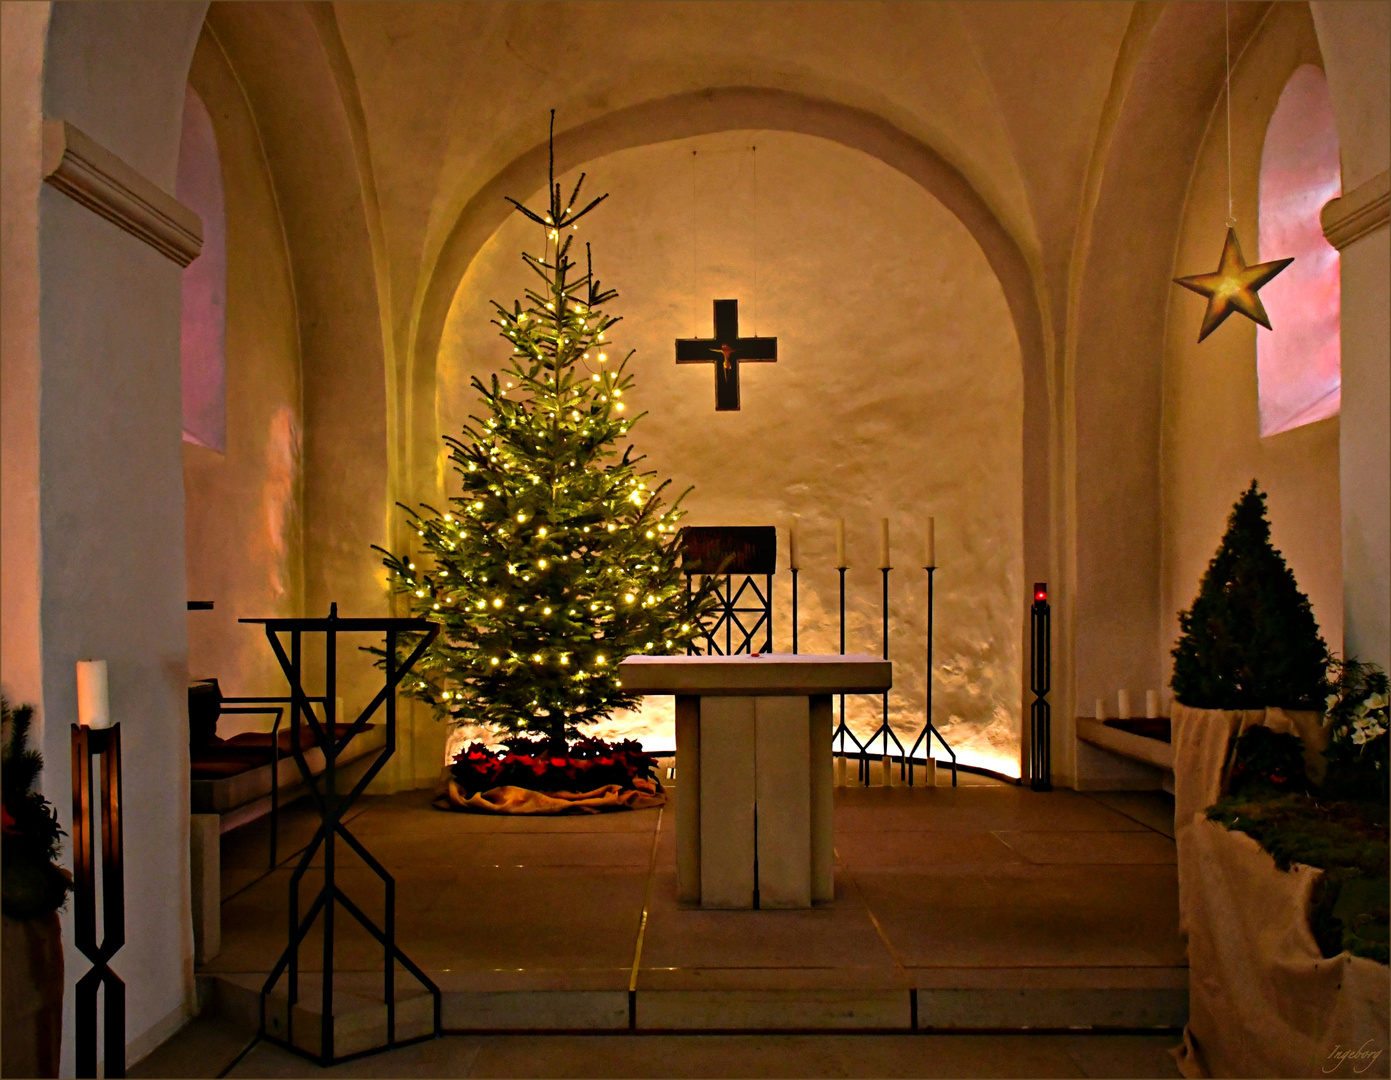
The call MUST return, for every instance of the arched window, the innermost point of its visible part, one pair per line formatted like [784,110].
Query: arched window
[1298,364]
[204,326]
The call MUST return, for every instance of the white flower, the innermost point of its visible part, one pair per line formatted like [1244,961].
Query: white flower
[1376,701]
[1329,702]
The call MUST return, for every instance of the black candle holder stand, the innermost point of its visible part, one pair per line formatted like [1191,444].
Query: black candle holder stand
[1040,681]
[332,806]
[794,609]
[885,729]
[841,731]
[88,744]
[929,731]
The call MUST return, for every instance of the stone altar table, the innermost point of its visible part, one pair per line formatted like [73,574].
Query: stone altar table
[753,768]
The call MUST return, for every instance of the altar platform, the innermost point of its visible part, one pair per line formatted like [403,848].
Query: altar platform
[986,907]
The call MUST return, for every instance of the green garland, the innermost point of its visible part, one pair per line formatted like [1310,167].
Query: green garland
[31,882]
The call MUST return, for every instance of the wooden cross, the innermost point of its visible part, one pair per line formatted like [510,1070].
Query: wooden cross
[726,351]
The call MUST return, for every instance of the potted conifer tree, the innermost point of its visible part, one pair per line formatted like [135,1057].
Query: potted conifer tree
[1271,993]
[34,888]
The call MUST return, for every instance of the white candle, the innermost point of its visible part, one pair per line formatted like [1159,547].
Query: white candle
[888,771]
[1151,704]
[1123,704]
[792,561]
[884,563]
[93,702]
[840,543]
[1100,709]
[930,543]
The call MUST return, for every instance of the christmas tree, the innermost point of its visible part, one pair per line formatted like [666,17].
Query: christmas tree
[1249,640]
[558,557]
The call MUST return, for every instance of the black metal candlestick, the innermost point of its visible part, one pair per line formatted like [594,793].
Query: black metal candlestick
[794,610]
[885,729]
[929,731]
[89,743]
[1040,681]
[333,807]
[841,730]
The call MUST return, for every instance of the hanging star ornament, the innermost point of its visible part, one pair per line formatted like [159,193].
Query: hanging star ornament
[1233,287]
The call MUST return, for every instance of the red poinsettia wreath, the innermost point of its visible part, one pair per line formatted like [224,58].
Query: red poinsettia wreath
[528,763]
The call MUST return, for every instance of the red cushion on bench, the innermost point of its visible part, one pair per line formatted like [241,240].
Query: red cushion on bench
[221,769]
[307,738]
[1148,728]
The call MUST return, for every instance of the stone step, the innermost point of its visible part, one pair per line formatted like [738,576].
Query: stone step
[742,999]
[359,1010]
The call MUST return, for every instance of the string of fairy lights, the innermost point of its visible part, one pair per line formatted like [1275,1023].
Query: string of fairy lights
[557,559]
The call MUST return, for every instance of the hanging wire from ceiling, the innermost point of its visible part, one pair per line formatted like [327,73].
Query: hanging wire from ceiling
[1227,27]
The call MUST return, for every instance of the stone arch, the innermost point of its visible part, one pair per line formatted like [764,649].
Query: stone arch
[728,109]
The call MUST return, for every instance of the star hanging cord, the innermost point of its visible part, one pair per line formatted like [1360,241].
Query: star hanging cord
[1234,285]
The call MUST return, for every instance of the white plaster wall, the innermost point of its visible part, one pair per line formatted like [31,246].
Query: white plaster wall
[1366,447]
[111,485]
[22,31]
[898,393]
[1356,40]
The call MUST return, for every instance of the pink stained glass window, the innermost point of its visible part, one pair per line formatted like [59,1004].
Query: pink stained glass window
[204,323]
[1298,363]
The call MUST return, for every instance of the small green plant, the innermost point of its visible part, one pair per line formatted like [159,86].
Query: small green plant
[1347,840]
[1359,748]
[31,882]
[1250,640]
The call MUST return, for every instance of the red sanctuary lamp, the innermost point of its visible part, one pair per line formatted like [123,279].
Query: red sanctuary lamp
[1040,681]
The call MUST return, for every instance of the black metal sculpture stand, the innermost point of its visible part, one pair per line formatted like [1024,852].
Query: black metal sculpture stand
[1040,681]
[929,731]
[332,807]
[87,744]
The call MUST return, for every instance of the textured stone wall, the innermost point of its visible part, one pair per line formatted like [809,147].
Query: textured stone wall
[897,393]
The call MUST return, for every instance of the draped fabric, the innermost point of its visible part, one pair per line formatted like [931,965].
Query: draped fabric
[517,800]
[1263,1000]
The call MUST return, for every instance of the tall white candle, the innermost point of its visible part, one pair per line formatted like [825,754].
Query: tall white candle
[793,562]
[884,563]
[1100,709]
[840,542]
[1151,704]
[93,702]
[1123,704]
[930,543]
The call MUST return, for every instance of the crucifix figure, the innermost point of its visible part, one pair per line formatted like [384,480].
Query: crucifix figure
[726,351]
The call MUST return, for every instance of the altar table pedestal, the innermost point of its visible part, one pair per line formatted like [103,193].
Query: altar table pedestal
[753,770]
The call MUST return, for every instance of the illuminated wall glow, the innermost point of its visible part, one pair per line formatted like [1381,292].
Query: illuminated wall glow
[204,325]
[1298,364]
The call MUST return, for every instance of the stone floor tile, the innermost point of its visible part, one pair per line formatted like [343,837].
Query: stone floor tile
[955,852]
[202,1047]
[1091,848]
[1120,1057]
[1050,915]
[1000,806]
[774,1056]
[1152,808]
[840,934]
